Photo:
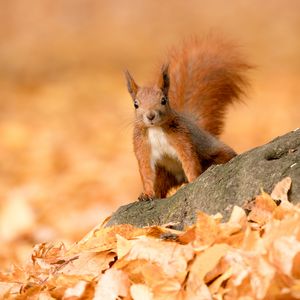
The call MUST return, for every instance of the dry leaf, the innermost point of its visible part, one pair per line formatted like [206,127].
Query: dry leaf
[251,273]
[203,234]
[238,216]
[282,253]
[263,209]
[112,285]
[215,286]
[89,264]
[76,291]
[141,292]
[172,257]
[197,289]
[281,189]
[106,238]
[207,260]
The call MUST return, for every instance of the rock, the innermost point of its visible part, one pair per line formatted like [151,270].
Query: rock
[221,187]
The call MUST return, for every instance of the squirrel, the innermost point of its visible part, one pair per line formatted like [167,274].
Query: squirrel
[179,118]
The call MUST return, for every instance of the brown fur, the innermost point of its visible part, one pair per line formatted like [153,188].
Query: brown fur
[186,107]
[164,182]
[142,151]
[206,76]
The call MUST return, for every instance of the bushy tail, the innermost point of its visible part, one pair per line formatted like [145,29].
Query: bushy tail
[205,76]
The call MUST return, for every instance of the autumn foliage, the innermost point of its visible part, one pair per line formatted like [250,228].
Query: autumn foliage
[254,256]
[66,142]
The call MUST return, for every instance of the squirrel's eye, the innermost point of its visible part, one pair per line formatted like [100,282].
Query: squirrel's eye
[163,100]
[136,105]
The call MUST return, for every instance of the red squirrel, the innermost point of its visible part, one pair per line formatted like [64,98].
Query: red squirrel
[179,118]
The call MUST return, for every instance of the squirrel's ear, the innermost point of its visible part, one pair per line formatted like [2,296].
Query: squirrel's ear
[131,85]
[164,80]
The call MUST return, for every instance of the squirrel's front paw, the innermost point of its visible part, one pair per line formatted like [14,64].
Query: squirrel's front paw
[145,197]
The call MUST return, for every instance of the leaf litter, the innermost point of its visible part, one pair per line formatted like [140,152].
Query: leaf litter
[254,256]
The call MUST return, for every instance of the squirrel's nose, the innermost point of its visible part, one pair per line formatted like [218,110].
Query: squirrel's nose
[150,115]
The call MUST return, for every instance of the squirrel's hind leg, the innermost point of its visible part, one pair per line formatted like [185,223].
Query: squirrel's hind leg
[164,181]
[223,155]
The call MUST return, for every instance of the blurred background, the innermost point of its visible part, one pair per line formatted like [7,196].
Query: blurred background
[66,158]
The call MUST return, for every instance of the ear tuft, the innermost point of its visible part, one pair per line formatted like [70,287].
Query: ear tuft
[164,81]
[131,85]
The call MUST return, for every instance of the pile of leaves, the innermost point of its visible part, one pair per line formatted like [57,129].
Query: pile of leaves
[254,256]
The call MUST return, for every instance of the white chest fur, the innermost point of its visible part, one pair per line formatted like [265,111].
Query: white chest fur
[163,153]
[160,145]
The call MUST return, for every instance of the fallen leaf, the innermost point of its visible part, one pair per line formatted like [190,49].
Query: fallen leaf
[282,253]
[251,273]
[112,285]
[88,264]
[76,291]
[238,216]
[281,189]
[197,289]
[141,292]
[215,286]
[204,233]
[206,261]
[172,257]
[104,239]
[263,209]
